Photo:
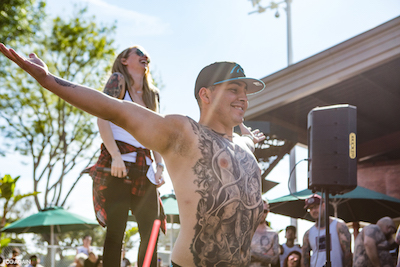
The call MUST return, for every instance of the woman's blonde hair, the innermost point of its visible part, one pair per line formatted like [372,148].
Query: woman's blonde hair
[150,91]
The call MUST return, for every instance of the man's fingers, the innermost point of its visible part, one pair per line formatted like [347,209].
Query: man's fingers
[6,51]
[15,55]
[21,61]
[18,59]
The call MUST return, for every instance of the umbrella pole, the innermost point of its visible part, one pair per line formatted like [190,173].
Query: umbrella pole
[172,236]
[327,234]
[172,231]
[52,245]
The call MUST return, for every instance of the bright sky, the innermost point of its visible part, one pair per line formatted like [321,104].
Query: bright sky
[184,36]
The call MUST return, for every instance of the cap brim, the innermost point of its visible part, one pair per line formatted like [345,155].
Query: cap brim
[253,85]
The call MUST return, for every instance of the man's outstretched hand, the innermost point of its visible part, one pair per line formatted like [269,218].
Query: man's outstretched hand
[32,65]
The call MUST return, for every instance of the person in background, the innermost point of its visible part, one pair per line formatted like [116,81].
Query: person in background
[160,262]
[34,261]
[132,183]
[289,246]
[99,262]
[91,261]
[14,260]
[265,244]
[2,261]
[79,260]
[85,248]
[125,261]
[372,246]
[314,239]
[293,259]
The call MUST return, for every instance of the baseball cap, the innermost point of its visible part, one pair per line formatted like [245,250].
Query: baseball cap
[313,200]
[224,71]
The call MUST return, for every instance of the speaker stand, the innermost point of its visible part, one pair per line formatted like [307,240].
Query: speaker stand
[327,234]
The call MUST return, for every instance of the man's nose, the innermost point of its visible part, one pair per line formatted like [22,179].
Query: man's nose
[243,96]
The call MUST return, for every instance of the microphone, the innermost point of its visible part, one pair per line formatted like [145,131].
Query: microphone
[108,170]
[103,169]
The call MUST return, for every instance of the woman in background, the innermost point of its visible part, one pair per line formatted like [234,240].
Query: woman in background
[293,259]
[131,184]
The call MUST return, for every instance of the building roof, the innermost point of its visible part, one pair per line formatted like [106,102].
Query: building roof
[363,71]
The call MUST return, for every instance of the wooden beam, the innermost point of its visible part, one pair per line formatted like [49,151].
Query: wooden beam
[379,146]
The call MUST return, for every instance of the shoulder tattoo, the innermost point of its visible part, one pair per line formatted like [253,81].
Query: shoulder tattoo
[373,232]
[114,85]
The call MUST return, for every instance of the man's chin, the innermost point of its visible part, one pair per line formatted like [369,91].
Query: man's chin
[238,121]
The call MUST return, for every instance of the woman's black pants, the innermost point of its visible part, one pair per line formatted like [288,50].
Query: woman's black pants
[119,201]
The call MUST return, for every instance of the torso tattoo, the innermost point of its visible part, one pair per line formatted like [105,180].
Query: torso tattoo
[228,180]
[361,258]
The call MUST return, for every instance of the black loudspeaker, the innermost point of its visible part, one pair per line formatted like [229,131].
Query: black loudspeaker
[332,165]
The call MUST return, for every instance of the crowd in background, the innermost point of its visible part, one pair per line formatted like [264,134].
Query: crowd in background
[376,245]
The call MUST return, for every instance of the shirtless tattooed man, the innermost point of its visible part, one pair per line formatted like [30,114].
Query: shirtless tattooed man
[372,246]
[215,175]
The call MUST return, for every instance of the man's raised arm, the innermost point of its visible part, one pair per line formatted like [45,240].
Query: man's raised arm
[149,128]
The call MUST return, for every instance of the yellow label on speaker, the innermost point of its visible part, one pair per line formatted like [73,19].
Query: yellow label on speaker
[352,145]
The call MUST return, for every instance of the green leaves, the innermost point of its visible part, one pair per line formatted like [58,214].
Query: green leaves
[4,242]
[7,186]
[55,134]
[128,234]
[84,46]
[7,194]
[19,197]
[20,20]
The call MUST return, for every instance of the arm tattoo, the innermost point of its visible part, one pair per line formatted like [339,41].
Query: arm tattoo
[275,258]
[64,82]
[361,257]
[114,85]
[267,249]
[305,250]
[345,243]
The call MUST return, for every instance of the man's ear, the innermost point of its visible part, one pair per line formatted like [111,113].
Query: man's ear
[204,95]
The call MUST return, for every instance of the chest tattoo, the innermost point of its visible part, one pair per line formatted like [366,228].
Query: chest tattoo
[230,206]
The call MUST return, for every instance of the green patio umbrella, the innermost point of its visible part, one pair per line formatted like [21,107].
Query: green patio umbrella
[53,220]
[171,210]
[170,206]
[361,204]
